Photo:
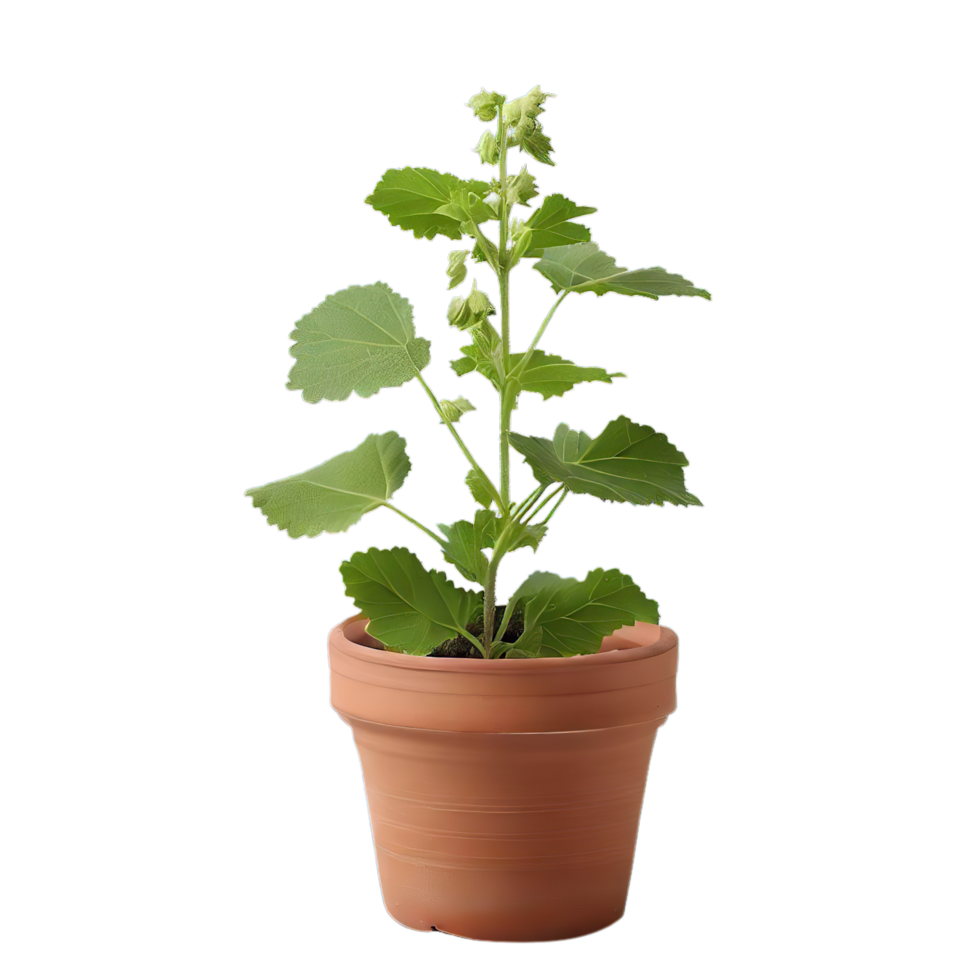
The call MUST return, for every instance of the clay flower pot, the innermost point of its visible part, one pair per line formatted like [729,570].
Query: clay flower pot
[505,795]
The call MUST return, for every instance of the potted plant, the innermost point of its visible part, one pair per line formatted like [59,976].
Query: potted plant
[505,745]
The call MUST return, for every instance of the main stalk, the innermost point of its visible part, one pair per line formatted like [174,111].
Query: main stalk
[506,391]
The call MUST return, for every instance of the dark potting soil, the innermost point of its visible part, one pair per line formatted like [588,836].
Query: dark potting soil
[461,648]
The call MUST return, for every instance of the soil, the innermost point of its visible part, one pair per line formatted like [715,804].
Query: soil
[461,648]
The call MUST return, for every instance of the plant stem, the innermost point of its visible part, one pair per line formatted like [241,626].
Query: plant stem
[490,603]
[462,445]
[507,397]
[432,534]
[506,401]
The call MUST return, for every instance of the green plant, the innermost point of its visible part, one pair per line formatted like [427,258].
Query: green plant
[362,339]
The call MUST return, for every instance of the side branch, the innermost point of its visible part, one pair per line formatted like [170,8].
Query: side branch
[494,493]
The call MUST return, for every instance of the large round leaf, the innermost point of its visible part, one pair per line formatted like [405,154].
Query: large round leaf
[338,493]
[361,339]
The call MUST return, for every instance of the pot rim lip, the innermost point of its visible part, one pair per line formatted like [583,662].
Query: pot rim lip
[339,640]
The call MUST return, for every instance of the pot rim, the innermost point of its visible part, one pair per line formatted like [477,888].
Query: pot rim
[345,636]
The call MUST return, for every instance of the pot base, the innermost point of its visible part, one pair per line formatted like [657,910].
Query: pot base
[508,837]
[498,915]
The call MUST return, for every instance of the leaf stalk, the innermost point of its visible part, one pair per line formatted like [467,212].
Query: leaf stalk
[432,534]
[537,337]
[495,494]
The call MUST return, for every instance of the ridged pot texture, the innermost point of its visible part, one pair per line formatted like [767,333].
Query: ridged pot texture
[505,795]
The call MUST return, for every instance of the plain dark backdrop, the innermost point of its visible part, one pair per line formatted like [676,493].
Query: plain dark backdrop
[301,231]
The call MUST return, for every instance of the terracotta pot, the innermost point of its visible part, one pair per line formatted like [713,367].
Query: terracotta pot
[505,794]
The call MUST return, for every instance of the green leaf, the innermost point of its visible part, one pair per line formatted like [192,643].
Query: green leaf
[549,375]
[527,645]
[551,225]
[522,188]
[484,354]
[469,204]
[411,608]
[361,339]
[564,617]
[467,539]
[528,536]
[537,145]
[481,490]
[584,268]
[627,462]
[336,494]
[413,199]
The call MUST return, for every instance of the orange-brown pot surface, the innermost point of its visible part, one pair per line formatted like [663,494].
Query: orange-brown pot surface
[505,794]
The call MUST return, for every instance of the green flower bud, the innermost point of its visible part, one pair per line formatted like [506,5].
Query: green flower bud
[466,313]
[485,104]
[488,149]
[457,268]
[452,410]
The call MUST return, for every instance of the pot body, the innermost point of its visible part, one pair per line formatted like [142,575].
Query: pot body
[505,795]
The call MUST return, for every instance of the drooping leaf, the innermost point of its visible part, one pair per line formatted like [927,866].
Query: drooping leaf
[480,488]
[413,199]
[411,608]
[361,339]
[537,145]
[550,375]
[336,494]
[584,268]
[467,539]
[551,225]
[627,462]
[564,617]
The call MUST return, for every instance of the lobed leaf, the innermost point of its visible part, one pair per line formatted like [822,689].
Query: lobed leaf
[361,340]
[411,608]
[564,617]
[627,462]
[424,201]
[550,375]
[467,539]
[336,494]
[584,268]
[551,226]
